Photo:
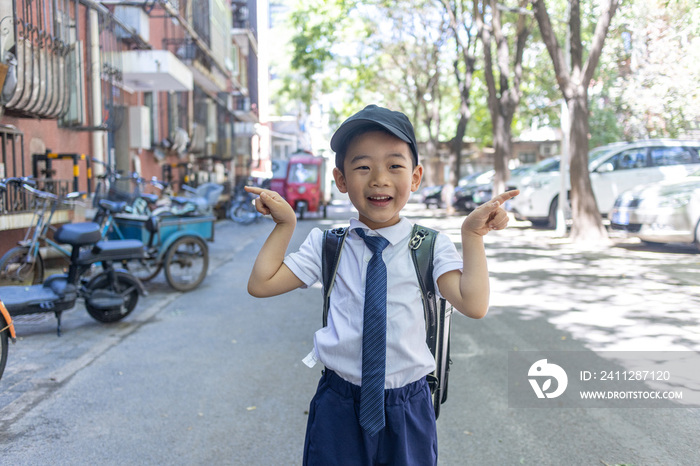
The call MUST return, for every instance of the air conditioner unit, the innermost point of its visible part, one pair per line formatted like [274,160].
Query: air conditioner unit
[139,127]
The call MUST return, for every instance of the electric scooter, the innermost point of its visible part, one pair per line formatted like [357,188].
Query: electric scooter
[110,294]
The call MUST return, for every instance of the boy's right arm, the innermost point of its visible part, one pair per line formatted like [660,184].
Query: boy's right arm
[270,276]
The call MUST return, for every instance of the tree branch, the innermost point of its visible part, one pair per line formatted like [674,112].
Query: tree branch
[555,52]
[601,31]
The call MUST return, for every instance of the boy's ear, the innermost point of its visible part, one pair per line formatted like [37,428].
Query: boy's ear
[340,180]
[417,178]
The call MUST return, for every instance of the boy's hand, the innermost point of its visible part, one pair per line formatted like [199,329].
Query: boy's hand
[271,203]
[488,216]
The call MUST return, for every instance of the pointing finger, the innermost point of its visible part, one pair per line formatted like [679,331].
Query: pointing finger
[503,197]
[253,189]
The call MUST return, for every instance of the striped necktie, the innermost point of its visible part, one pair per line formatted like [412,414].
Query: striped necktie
[373,338]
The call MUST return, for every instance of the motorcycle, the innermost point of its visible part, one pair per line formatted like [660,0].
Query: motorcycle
[110,294]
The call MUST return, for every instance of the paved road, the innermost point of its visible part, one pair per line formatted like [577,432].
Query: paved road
[215,377]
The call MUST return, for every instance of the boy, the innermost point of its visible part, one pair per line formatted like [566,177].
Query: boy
[376,327]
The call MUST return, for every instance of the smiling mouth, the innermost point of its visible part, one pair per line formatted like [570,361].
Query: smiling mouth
[379,201]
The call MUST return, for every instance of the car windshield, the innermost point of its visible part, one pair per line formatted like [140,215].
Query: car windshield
[519,171]
[600,152]
[474,178]
[547,165]
[303,173]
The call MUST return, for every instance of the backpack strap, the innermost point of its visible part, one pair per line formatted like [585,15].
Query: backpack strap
[437,316]
[333,241]
[422,245]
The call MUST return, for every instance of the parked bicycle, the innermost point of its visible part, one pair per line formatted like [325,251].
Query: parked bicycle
[241,208]
[24,264]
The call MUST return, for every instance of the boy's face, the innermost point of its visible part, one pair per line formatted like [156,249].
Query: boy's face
[379,177]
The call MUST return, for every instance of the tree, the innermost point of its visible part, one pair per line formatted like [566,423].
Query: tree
[573,82]
[461,25]
[504,97]
[318,26]
[658,85]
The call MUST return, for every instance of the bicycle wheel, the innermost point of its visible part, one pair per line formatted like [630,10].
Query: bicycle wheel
[101,288]
[15,270]
[144,269]
[186,263]
[245,213]
[3,344]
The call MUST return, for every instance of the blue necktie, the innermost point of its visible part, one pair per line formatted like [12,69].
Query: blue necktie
[373,338]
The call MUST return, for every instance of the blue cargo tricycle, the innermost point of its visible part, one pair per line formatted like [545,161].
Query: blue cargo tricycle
[176,244]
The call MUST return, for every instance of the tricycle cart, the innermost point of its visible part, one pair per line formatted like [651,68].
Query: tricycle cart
[176,244]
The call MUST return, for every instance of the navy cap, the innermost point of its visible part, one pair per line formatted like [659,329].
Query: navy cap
[396,123]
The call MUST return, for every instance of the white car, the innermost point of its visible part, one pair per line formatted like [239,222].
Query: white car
[665,212]
[614,168]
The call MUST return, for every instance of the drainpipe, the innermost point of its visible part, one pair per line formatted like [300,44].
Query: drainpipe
[98,146]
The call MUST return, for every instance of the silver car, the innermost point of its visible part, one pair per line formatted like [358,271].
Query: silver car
[664,212]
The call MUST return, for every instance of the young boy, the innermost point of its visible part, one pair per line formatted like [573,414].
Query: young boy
[376,327]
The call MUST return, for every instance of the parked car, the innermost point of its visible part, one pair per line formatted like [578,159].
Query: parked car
[484,193]
[614,168]
[432,196]
[664,212]
[462,199]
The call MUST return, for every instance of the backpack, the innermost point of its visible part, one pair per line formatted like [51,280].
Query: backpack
[437,315]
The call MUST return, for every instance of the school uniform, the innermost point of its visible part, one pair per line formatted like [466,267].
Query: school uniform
[334,435]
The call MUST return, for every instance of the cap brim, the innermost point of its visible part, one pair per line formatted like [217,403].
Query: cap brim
[339,139]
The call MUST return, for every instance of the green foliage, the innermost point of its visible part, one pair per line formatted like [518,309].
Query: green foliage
[349,53]
[317,26]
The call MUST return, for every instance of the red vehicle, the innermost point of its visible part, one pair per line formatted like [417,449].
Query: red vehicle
[278,182]
[307,187]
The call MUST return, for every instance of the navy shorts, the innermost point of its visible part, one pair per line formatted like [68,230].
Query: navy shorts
[334,435]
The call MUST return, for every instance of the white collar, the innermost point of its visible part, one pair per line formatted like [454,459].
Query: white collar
[394,234]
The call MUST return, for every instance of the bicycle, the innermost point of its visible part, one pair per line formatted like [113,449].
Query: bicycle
[241,208]
[24,264]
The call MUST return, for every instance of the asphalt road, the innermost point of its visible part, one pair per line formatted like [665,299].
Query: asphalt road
[214,376]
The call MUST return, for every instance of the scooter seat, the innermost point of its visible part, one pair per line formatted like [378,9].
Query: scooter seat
[181,200]
[78,234]
[114,250]
[113,206]
[150,198]
[21,300]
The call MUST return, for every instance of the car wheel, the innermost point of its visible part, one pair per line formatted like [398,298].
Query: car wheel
[552,217]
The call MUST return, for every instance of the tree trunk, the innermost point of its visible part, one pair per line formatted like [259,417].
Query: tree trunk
[502,145]
[463,43]
[458,142]
[587,226]
[573,84]
[504,96]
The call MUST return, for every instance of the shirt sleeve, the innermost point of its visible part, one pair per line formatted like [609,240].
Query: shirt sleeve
[306,262]
[446,259]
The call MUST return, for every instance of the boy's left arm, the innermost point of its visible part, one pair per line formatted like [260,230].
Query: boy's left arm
[468,291]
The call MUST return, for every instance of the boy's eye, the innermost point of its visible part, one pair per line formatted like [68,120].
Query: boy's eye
[396,166]
[362,167]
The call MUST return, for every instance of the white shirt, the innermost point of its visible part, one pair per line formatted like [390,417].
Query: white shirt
[339,345]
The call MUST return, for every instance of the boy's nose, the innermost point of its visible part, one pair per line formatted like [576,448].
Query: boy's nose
[379,178]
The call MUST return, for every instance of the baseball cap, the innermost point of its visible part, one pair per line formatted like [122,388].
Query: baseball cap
[396,123]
